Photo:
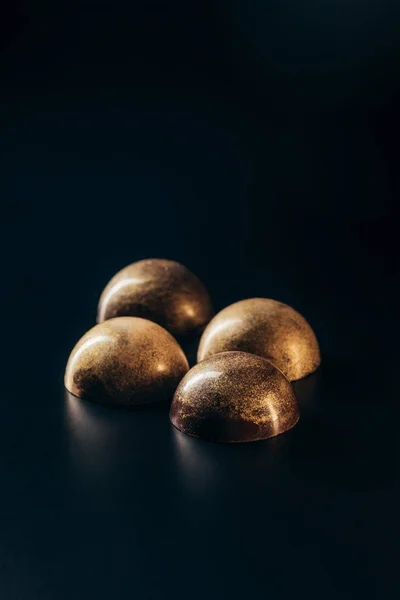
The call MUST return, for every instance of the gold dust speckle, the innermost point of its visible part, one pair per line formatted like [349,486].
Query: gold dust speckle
[234,397]
[267,328]
[125,361]
[160,290]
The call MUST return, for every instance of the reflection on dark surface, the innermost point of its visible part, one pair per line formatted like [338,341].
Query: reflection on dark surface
[92,435]
[99,436]
[199,462]
[196,468]
[322,447]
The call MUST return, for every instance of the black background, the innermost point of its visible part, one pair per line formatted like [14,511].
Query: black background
[255,142]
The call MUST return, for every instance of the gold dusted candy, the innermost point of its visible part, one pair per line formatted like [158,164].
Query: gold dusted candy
[234,397]
[265,327]
[160,290]
[125,362]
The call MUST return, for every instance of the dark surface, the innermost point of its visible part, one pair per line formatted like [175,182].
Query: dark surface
[257,144]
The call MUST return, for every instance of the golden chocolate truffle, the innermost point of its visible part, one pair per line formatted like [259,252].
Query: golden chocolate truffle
[234,397]
[160,290]
[125,362]
[265,327]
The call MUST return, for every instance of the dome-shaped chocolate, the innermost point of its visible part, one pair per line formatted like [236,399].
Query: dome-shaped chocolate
[125,362]
[265,327]
[160,290]
[234,397]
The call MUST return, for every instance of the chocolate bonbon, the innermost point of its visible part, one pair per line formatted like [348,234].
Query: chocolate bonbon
[126,361]
[162,291]
[267,328]
[234,397]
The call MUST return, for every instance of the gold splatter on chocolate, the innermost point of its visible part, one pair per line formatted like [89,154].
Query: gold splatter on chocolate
[265,327]
[160,290]
[125,361]
[234,397]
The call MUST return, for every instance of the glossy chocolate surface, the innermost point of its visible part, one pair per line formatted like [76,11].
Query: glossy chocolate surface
[160,290]
[125,361]
[234,397]
[265,327]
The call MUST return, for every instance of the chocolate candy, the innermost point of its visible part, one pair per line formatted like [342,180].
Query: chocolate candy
[160,290]
[125,361]
[234,397]
[265,327]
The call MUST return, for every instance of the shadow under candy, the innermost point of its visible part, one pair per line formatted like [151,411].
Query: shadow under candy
[306,390]
[190,347]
